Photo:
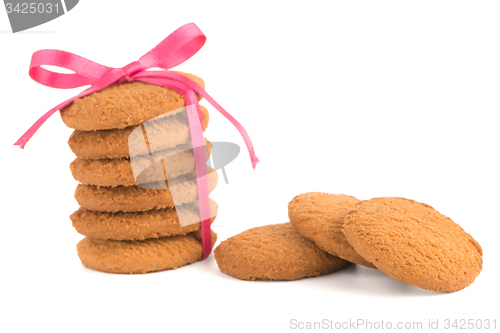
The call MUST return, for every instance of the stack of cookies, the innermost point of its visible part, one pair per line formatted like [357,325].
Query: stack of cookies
[132,228]
[408,240]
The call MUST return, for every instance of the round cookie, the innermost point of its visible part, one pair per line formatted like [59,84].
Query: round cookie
[320,218]
[114,143]
[142,256]
[135,198]
[122,104]
[274,252]
[116,172]
[137,225]
[413,243]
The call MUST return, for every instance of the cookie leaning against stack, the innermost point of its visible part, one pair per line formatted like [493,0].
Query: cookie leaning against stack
[130,229]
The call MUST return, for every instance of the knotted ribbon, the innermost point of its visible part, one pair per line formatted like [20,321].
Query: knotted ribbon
[178,47]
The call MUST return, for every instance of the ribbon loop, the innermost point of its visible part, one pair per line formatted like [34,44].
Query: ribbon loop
[178,47]
[85,71]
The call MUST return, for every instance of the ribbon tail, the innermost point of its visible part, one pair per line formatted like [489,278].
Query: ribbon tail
[246,138]
[198,144]
[166,76]
[21,142]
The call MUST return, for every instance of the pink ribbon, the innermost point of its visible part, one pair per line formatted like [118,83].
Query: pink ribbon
[178,47]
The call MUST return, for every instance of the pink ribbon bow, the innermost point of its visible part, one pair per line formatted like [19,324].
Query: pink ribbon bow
[178,47]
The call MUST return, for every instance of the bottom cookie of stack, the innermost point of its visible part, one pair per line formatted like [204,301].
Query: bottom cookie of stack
[141,256]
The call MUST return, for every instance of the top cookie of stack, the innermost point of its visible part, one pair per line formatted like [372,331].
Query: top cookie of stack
[123,105]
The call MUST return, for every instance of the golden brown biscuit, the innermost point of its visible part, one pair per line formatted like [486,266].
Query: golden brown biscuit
[122,104]
[320,218]
[135,198]
[116,172]
[114,143]
[274,252]
[142,256]
[138,225]
[413,243]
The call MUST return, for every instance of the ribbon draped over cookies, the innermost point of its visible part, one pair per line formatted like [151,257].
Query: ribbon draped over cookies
[178,47]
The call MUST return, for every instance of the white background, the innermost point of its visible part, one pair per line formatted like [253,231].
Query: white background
[366,98]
